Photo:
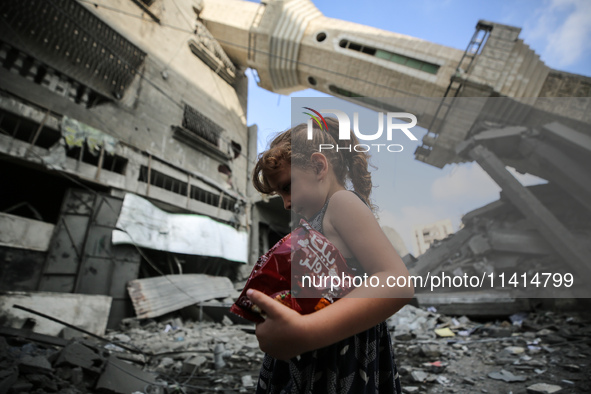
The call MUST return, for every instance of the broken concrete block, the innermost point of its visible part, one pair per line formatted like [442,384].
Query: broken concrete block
[478,244]
[418,376]
[405,336]
[37,364]
[79,355]
[498,332]
[514,350]
[506,376]
[122,338]
[410,389]
[430,351]
[121,377]
[69,333]
[192,363]
[543,388]
[165,363]
[247,381]
[89,312]
[226,321]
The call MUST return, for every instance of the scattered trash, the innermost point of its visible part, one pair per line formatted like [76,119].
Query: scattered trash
[517,318]
[226,357]
[444,332]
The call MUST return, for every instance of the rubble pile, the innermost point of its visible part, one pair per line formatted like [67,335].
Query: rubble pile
[533,353]
[435,353]
[497,239]
[221,356]
[169,356]
[29,367]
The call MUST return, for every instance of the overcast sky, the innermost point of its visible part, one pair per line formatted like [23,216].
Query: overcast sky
[410,192]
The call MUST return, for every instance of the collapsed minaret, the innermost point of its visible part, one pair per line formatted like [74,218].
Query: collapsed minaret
[495,103]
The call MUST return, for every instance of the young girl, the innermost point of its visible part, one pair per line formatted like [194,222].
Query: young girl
[344,347]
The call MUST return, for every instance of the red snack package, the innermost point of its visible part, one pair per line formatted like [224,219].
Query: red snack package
[311,260]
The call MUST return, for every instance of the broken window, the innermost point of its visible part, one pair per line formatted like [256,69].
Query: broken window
[31,193]
[113,163]
[173,185]
[343,92]
[201,125]
[28,130]
[236,148]
[391,56]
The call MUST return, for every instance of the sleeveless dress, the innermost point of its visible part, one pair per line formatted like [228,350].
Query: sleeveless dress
[361,364]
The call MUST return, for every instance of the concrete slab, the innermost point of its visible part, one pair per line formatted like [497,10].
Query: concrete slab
[89,312]
[124,378]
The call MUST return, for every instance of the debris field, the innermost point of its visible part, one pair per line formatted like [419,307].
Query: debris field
[537,352]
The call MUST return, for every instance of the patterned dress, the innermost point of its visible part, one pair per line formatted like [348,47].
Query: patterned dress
[363,363]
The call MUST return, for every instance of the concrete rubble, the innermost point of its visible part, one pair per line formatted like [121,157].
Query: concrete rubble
[521,353]
[539,352]
[497,240]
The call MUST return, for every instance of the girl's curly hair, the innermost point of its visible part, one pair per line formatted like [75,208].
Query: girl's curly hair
[293,147]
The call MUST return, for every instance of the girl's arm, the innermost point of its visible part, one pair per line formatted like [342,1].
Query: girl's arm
[286,333]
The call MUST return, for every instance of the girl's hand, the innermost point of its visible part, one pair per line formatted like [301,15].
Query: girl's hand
[283,333]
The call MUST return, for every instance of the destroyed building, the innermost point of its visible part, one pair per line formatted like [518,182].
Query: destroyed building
[119,118]
[100,102]
[122,122]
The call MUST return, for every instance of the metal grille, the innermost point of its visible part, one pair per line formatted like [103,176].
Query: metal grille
[69,38]
[199,124]
[179,187]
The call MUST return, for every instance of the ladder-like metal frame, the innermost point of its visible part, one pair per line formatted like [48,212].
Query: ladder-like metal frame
[457,80]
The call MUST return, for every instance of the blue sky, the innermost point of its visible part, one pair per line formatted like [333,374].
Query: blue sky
[411,192]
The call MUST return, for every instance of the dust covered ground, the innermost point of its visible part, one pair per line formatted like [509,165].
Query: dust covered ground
[528,353]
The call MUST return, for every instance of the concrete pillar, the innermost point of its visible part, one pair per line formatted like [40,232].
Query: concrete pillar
[558,236]
[560,169]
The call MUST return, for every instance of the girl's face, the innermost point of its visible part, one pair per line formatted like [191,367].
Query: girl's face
[299,188]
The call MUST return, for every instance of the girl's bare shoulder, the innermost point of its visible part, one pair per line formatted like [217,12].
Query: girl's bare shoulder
[344,198]
[345,206]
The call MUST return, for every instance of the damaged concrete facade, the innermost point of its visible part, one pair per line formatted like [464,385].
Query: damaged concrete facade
[97,103]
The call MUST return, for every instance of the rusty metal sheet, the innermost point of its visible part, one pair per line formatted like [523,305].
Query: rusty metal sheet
[156,296]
